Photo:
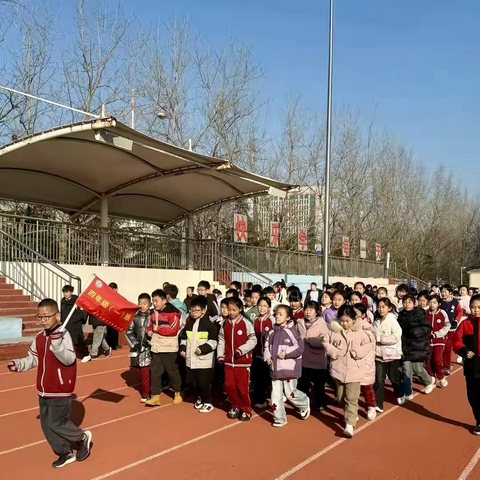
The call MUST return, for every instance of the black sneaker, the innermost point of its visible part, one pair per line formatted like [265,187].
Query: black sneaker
[245,417]
[108,353]
[64,459]
[234,413]
[84,446]
[476,431]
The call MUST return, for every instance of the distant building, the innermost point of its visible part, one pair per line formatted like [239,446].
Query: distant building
[302,208]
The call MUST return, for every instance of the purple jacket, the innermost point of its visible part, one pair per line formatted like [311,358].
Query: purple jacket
[330,314]
[284,339]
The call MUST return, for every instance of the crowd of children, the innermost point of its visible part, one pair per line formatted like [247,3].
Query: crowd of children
[266,342]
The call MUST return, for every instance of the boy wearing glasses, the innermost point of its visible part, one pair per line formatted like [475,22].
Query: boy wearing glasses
[198,343]
[53,353]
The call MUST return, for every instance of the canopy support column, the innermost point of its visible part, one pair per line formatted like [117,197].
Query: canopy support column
[104,234]
[190,245]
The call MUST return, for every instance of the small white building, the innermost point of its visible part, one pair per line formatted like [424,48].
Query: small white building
[474,277]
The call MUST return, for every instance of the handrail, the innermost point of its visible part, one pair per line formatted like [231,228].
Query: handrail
[31,271]
[401,273]
[245,269]
[46,260]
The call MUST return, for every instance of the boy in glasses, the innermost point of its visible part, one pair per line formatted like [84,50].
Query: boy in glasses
[53,353]
[198,343]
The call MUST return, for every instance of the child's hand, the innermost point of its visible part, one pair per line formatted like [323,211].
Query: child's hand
[281,355]
[237,354]
[220,360]
[269,362]
[150,333]
[12,366]
[183,354]
[354,354]
[198,351]
[470,354]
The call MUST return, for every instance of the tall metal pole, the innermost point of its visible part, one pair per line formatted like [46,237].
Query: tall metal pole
[326,195]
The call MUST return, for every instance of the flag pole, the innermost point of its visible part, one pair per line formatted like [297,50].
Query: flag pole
[72,311]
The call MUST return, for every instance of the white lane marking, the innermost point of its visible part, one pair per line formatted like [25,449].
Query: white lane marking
[171,449]
[80,376]
[470,466]
[78,398]
[146,410]
[339,442]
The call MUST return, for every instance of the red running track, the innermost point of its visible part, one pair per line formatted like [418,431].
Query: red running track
[428,438]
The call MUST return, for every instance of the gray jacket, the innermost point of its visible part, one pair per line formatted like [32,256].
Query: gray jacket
[138,340]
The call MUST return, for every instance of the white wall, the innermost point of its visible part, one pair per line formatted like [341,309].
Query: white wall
[131,281]
[134,281]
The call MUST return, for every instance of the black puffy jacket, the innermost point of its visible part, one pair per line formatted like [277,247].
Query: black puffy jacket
[415,335]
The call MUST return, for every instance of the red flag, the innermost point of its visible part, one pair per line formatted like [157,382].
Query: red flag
[101,301]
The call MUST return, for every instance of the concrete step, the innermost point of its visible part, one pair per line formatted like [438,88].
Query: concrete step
[13,295]
[6,286]
[17,304]
[17,312]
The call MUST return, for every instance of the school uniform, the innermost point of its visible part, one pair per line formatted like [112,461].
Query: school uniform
[236,342]
[440,329]
[260,370]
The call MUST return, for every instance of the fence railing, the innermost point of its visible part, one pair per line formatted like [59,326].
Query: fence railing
[403,277]
[67,243]
[31,272]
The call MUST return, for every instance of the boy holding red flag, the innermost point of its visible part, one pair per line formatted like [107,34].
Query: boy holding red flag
[53,353]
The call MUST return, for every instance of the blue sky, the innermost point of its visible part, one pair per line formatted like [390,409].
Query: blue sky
[416,62]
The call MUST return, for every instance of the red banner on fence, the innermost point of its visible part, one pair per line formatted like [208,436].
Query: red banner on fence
[346,247]
[378,252]
[302,239]
[275,234]
[240,233]
[101,301]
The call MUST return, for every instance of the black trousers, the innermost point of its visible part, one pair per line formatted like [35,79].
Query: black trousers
[318,377]
[473,395]
[61,433]
[200,381]
[164,363]
[392,371]
[112,337]
[261,379]
[79,342]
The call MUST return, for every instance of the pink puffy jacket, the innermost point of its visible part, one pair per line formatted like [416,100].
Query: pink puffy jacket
[314,355]
[370,358]
[348,350]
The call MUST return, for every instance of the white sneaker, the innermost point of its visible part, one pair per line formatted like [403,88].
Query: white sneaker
[305,413]
[144,399]
[443,382]
[284,399]
[371,413]
[261,405]
[402,400]
[86,359]
[206,408]
[430,388]
[378,409]
[410,397]
[279,424]
[348,431]
[459,360]
[198,404]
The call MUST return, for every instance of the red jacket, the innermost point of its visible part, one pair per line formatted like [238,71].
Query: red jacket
[236,342]
[54,355]
[466,339]
[440,326]
[299,314]
[262,326]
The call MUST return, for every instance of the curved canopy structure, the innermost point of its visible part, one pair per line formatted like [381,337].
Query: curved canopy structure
[77,168]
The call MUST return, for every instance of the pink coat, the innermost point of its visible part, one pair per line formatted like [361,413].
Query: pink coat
[370,358]
[314,355]
[348,350]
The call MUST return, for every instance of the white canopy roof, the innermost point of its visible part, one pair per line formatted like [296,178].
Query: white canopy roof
[73,166]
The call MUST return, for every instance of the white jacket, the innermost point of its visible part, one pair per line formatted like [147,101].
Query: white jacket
[388,334]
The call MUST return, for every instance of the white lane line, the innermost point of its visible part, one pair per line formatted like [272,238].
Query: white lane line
[78,398]
[470,466]
[172,449]
[80,376]
[146,410]
[78,363]
[321,453]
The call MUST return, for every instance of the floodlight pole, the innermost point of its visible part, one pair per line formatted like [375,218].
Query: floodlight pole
[326,214]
